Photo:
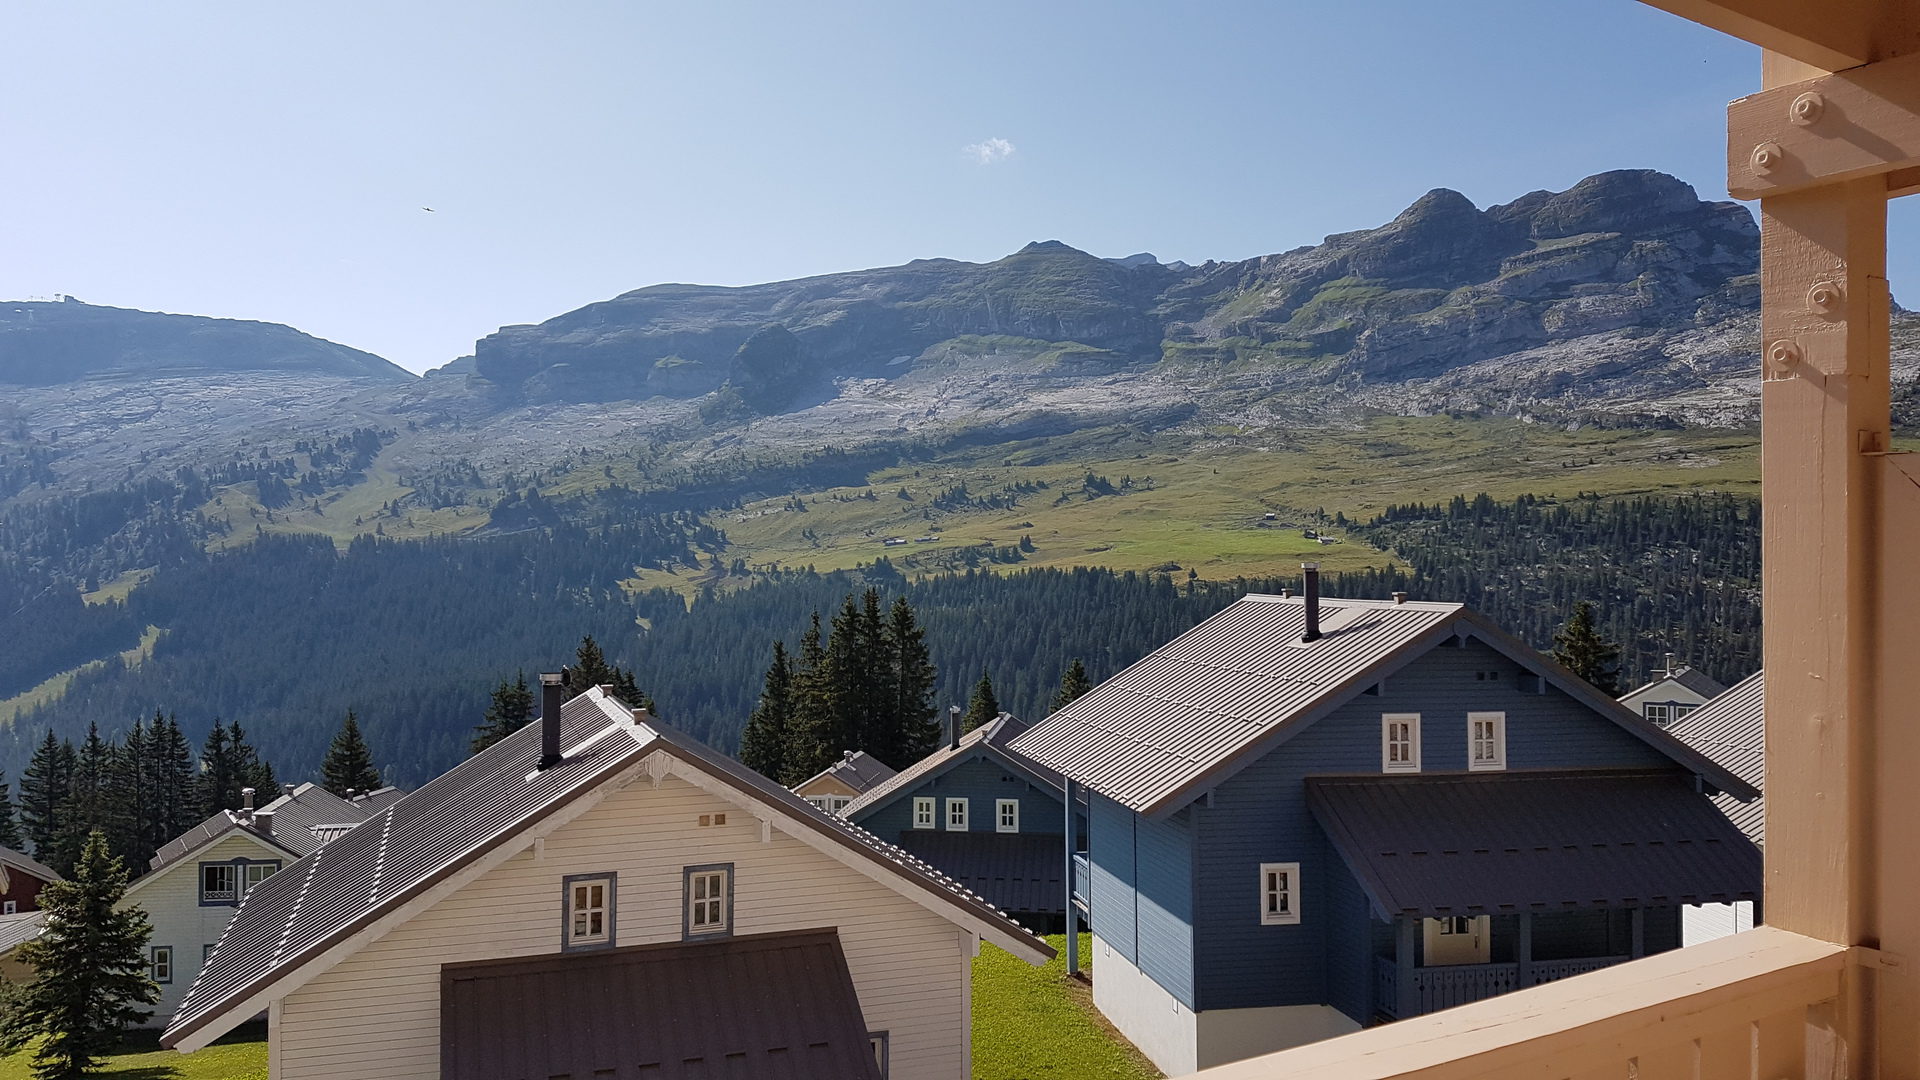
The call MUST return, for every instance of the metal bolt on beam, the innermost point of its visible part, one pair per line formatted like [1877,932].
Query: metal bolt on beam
[1782,355]
[1765,157]
[1806,108]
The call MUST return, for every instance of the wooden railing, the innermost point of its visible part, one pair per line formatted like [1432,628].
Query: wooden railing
[1081,876]
[1762,1003]
[1436,988]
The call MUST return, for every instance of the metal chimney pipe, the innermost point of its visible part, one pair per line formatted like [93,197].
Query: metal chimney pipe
[553,692]
[246,799]
[1311,590]
[953,727]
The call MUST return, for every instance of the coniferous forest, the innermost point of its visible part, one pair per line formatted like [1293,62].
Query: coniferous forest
[285,635]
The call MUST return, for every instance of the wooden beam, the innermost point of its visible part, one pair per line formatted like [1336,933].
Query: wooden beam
[1824,130]
[1827,35]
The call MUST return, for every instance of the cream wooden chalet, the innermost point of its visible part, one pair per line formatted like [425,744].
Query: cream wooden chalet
[1830,987]
[596,895]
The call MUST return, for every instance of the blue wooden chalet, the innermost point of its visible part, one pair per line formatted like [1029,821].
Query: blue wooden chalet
[984,815]
[1307,816]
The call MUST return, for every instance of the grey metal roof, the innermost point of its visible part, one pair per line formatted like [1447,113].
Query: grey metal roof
[17,930]
[766,1005]
[1551,840]
[331,894]
[994,739]
[1692,678]
[304,818]
[1732,730]
[28,863]
[1015,871]
[378,799]
[858,770]
[1212,700]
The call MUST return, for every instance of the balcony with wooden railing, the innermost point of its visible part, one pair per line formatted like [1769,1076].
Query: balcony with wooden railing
[1826,990]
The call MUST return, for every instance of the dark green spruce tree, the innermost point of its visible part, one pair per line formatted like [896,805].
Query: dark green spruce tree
[9,827]
[86,799]
[46,789]
[876,724]
[129,798]
[228,765]
[1073,683]
[810,735]
[90,970]
[590,669]
[982,707]
[763,744]
[1580,648]
[917,729]
[348,766]
[173,805]
[510,710]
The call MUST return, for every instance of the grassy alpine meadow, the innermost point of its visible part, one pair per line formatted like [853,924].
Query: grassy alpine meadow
[1031,1023]
[239,1056]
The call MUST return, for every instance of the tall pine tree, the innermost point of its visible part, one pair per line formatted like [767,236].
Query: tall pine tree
[349,763]
[982,707]
[173,805]
[763,745]
[9,828]
[916,724]
[46,790]
[90,970]
[1073,683]
[590,669]
[1581,649]
[510,710]
[810,735]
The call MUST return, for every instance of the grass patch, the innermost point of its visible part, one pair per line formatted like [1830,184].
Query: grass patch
[241,1055]
[1030,1023]
[56,687]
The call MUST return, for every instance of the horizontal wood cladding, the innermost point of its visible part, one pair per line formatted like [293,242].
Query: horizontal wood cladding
[1260,815]
[981,781]
[172,903]
[377,1014]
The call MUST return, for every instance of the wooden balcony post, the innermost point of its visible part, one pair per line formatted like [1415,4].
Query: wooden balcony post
[1523,952]
[1073,930]
[1403,936]
[1830,580]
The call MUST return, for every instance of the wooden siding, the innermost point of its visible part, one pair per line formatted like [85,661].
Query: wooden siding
[1110,850]
[1350,945]
[981,781]
[376,1014]
[171,900]
[1260,815]
[1163,902]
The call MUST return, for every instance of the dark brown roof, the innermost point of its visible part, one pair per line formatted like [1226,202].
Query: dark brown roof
[768,1005]
[857,769]
[330,895]
[1549,840]
[1014,871]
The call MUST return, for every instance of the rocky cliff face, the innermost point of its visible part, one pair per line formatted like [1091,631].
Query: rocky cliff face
[1612,296]
[48,344]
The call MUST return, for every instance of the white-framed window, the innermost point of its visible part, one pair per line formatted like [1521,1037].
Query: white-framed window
[1486,741]
[160,963]
[590,910]
[708,892]
[1279,893]
[1400,742]
[1680,711]
[9,907]
[258,872]
[818,802]
[1658,715]
[923,813]
[956,815]
[837,803]
[219,883]
[1006,815]
[877,1042]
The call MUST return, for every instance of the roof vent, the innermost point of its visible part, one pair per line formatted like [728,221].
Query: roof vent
[553,692]
[263,821]
[1311,590]
[1399,597]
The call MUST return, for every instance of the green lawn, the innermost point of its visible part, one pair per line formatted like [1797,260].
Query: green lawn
[240,1056]
[1030,1023]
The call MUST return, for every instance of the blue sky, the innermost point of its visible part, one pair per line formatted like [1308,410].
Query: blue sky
[271,161]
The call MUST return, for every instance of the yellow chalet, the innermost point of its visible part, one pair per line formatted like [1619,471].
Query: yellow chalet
[1830,987]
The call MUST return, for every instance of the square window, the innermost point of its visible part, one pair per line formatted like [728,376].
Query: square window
[219,883]
[818,802]
[1659,715]
[1486,741]
[707,900]
[1680,711]
[1279,893]
[1006,815]
[9,907]
[956,815]
[923,813]
[590,911]
[1400,742]
[160,963]
[839,803]
[257,872]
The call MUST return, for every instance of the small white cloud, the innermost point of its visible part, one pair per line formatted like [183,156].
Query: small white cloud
[989,151]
